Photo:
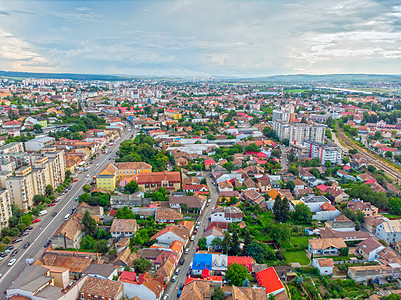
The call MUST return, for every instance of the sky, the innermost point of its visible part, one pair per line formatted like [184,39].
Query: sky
[201,37]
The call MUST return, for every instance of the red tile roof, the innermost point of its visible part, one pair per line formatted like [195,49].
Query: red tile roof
[269,279]
[242,260]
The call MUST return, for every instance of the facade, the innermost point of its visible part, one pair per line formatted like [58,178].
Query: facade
[5,208]
[68,235]
[107,179]
[150,182]
[299,132]
[324,152]
[324,265]
[15,147]
[123,228]
[228,214]
[389,231]
[21,187]
[369,249]
[126,170]
[328,246]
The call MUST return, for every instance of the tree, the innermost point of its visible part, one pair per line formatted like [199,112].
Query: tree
[101,246]
[236,274]
[290,185]
[388,154]
[218,294]
[86,188]
[184,208]
[281,209]
[131,187]
[234,247]
[281,233]
[89,223]
[394,206]
[202,243]
[371,169]
[37,199]
[37,127]
[252,148]
[125,213]
[14,231]
[378,135]
[87,242]
[6,240]
[226,242]
[260,252]
[216,243]
[302,214]
[141,265]
[13,221]
[49,190]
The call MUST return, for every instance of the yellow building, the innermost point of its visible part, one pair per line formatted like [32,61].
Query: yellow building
[107,179]
[126,170]
[172,114]
[43,123]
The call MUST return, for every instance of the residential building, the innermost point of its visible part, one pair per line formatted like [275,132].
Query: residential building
[269,279]
[153,181]
[126,170]
[172,233]
[39,143]
[107,178]
[103,271]
[369,248]
[14,147]
[329,246]
[167,215]
[324,265]
[123,228]
[68,235]
[299,132]
[21,187]
[98,288]
[194,203]
[230,214]
[211,234]
[5,208]
[324,152]
[389,230]
[366,207]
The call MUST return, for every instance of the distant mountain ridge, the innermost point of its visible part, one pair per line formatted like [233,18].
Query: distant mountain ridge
[272,78]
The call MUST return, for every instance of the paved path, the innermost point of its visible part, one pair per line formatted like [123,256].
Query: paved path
[284,159]
[173,287]
[45,229]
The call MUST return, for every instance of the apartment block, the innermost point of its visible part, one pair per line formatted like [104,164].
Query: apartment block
[299,132]
[324,152]
[15,147]
[5,208]
[39,143]
[21,187]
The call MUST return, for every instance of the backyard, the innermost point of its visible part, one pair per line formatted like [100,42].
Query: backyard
[297,256]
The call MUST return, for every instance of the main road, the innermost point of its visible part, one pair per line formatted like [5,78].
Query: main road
[45,229]
[173,287]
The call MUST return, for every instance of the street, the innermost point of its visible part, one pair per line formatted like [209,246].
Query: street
[45,229]
[284,160]
[173,287]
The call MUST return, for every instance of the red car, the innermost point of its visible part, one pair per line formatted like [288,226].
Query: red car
[36,221]
[52,204]
[75,180]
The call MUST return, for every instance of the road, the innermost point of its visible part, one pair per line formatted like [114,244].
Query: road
[284,159]
[45,229]
[173,287]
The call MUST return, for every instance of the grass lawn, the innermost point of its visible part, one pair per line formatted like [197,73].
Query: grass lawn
[297,256]
[301,241]
[391,216]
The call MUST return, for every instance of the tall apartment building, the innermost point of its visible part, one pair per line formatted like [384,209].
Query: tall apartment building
[5,208]
[324,152]
[45,169]
[15,147]
[299,132]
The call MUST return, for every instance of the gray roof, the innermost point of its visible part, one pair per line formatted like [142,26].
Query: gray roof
[29,274]
[50,292]
[315,199]
[35,284]
[104,270]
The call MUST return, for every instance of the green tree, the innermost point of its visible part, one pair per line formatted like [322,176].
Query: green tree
[388,154]
[14,231]
[218,294]
[13,221]
[281,209]
[125,213]
[236,274]
[141,265]
[394,206]
[226,243]
[89,224]
[234,246]
[290,185]
[6,240]
[37,199]
[86,188]
[217,243]
[261,252]
[101,246]
[49,190]
[202,243]
[87,242]
[252,148]
[302,214]
[184,208]
[37,127]
[131,187]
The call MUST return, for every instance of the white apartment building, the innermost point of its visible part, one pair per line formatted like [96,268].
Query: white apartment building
[5,208]
[15,147]
[389,231]
[39,143]
[299,132]
[324,152]
[21,187]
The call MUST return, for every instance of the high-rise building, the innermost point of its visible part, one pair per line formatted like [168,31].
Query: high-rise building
[299,132]
[324,152]
[5,208]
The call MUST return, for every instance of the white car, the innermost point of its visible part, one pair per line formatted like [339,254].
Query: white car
[11,262]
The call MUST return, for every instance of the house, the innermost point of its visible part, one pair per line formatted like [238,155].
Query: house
[93,210]
[246,293]
[246,261]
[219,263]
[337,195]
[211,234]
[197,290]
[104,271]
[123,228]
[299,184]
[225,186]
[347,236]
[314,202]
[250,184]
[200,262]
[370,223]
[194,203]
[98,288]
[142,286]
[345,175]
[167,215]
[68,235]
[326,212]
[227,195]
[367,208]
[264,184]
[166,270]
[172,233]
[369,248]
[228,214]
[389,230]
[269,279]
[254,198]
[329,246]
[341,223]
[150,182]
[324,265]
[125,258]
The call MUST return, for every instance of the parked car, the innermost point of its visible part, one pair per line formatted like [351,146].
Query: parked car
[24,233]
[14,253]
[26,245]
[174,278]
[76,199]
[57,199]
[17,241]
[47,244]
[182,261]
[9,248]
[75,180]
[52,204]
[177,271]
[186,250]
[29,228]
[192,238]
[11,262]
[36,221]
[165,297]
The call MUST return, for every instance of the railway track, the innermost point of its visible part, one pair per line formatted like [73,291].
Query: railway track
[374,159]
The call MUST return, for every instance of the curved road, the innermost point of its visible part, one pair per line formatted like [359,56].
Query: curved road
[45,229]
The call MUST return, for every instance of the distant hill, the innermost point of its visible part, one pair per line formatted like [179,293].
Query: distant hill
[328,77]
[71,76]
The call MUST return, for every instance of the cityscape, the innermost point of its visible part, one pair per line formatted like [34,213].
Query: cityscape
[159,150]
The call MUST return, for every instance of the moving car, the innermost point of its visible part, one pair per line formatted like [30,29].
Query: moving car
[186,250]
[26,245]
[36,221]
[192,238]
[11,262]
[165,297]
[75,180]
[54,214]
[14,253]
